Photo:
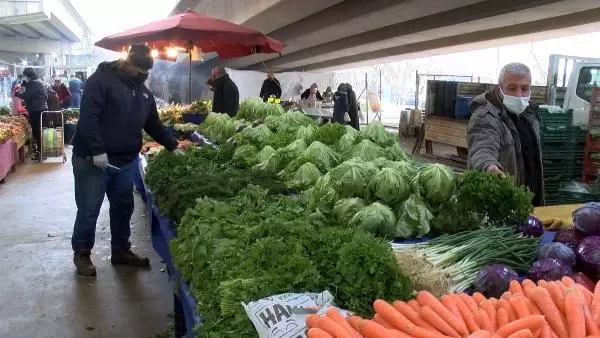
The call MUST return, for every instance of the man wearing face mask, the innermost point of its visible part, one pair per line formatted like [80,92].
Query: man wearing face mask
[504,131]
[115,107]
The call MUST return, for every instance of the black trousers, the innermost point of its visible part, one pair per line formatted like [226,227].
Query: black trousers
[36,127]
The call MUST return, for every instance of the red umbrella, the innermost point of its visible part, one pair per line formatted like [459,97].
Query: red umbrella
[190,29]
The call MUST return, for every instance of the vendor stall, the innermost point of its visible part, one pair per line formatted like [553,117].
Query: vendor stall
[14,135]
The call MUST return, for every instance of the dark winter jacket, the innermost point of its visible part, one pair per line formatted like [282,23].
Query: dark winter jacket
[115,107]
[35,95]
[306,95]
[227,96]
[53,104]
[340,106]
[353,108]
[270,87]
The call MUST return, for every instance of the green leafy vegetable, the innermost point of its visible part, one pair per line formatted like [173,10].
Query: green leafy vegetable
[346,142]
[377,219]
[346,208]
[413,218]
[258,136]
[245,155]
[306,176]
[435,183]
[265,153]
[375,132]
[351,178]
[305,132]
[320,155]
[367,151]
[389,186]
[329,133]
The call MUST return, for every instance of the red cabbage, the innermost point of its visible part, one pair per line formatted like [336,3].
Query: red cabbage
[532,226]
[493,280]
[587,219]
[584,280]
[558,251]
[569,237]
[588,257]
[549,269]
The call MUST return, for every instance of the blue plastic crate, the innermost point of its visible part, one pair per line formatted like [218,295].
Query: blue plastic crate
[461,107]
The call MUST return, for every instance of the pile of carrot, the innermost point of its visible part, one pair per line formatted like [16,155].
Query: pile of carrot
[558,309]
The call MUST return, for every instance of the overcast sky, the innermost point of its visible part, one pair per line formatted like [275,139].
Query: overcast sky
[106,17]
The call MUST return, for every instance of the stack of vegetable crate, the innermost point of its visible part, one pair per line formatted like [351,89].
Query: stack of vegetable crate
[562,150]
[591,162]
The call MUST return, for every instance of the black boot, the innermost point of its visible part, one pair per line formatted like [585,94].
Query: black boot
[127,257]
[84,265]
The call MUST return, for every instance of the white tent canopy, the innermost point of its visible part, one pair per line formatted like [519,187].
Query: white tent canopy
[292,83]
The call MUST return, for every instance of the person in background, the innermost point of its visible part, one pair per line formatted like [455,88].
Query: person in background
[53,101]
[504,131]
[312,93]
[270,88]
[16,106]
[352,107]
[64,94]
[17,82]
[328,95]
[340,104]
[76,88]
[35,97]
[210,83]
[226,98]
[115,107]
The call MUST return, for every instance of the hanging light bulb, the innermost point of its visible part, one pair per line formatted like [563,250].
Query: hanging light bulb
[123,55]
[154,53]
[172,52]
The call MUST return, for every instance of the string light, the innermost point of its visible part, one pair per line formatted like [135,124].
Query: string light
[172,52]
[154,53]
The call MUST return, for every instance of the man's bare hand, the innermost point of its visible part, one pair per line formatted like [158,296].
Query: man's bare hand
[494,169]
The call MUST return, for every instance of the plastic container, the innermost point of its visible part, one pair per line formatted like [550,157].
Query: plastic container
[461,107]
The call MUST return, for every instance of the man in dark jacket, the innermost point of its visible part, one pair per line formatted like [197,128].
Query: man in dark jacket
[115,107]
[35,97]
[270,87]
[226,98]
[504,131]
[340,104]
[352,107]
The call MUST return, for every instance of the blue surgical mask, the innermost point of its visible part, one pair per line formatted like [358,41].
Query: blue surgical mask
[515,104]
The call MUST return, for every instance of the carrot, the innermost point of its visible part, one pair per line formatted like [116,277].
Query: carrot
[370,329]
[526,283]
[377,319]
[515,288]
[520,306]
[525,333]
[446,300]
[414,305]
[532,322]
[311,320]
[567,281]
[412,315]
[506,295]
[557,296]
[478,297]
[330,326]
[575,314]
[503,303]
[467,315]
[501,317]
[541,283]
[546,331]
[587,294]
[337,317]
[469,302]
[425,298]
[491,312]
[542,299]
[482,319]
[397,320]
[398,334]
[595,308]
[481,334]
[318,333]
[354,321]
[438,322]
[590,325]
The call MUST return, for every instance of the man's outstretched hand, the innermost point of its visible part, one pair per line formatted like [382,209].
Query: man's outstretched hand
[494,169]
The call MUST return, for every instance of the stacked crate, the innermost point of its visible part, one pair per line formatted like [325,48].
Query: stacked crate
[562,151]
[591,160]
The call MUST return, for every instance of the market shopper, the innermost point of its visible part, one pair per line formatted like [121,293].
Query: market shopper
[115,107]
[64,94]
[76,89]
[270,88]
[312,93]
[352,107]
[504,131]
[226,98]
[340,104]
[35,97]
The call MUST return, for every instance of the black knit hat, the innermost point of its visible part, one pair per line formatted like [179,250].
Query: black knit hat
[139,56]
[29,72]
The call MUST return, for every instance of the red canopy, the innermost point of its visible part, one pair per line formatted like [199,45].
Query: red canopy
[228,40]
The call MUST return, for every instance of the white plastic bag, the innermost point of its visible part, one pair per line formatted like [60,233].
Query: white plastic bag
[283,316]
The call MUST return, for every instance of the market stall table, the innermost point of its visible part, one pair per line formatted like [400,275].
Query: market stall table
[8,157]
[326,113]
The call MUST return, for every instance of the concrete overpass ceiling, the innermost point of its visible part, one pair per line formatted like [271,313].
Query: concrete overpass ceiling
[589,17]
[333,33]
[469,19]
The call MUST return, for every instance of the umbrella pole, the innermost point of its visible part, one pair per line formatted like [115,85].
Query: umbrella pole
[190,74]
